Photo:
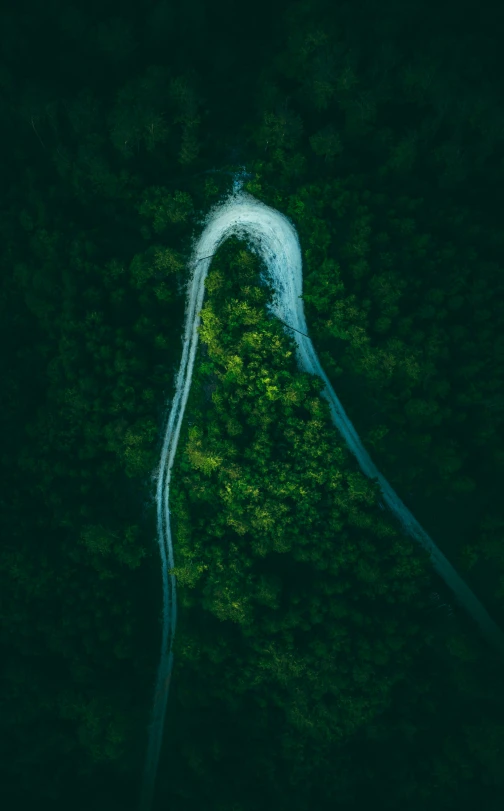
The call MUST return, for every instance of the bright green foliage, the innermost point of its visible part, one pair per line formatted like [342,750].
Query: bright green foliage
[277,532]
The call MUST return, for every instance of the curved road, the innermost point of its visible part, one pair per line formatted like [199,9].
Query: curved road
[272,236]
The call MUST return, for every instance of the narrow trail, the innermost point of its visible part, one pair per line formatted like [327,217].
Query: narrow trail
[272,236]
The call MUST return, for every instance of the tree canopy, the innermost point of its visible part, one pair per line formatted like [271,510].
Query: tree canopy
[318,659]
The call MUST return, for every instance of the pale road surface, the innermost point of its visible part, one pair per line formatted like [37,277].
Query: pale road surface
[270,235]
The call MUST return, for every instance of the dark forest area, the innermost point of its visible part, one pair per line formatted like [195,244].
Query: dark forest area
[320,663]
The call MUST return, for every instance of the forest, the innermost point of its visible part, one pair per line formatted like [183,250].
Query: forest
[319,662]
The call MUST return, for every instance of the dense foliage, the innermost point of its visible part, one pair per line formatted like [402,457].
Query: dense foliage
[308,612]
[313,667]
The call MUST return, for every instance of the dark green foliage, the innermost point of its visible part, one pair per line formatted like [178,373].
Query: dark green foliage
[312,668]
